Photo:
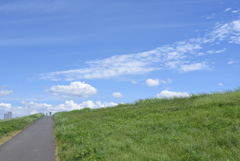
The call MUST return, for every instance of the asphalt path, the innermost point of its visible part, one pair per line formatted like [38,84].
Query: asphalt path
[34,143]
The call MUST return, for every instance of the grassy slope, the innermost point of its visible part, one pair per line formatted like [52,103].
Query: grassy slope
[203,127]
[11,126]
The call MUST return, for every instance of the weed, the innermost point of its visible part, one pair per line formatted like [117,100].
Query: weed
[201,127]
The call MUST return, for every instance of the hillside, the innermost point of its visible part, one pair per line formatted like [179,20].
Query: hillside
[202,127]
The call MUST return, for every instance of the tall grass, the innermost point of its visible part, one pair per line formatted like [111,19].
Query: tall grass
[15,124]
[202,127]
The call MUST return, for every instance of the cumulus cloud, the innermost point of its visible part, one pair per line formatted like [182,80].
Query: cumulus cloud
[34,112]
[170,94]
[36,106]
[5,106]
[117,95]
[4,93]
[75,90]
[32,107]
[156,82]
[71,105]
[152,82]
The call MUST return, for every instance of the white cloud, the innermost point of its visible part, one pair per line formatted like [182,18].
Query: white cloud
[220,84]
[232,62]
[152,82]
[31,107]
[210,16]
[180,56]
[228,9]
[134,82]
[36,106]
[5,106]
[75,90]
[165,81]
[216,51]
[34,112]
[221,32]
[156,82]
[194,67]
[236,25]
[71,105]
[117,95]
[170,94]
[4,93]
[3,87]
[166,57]
[105,104]
[235,11]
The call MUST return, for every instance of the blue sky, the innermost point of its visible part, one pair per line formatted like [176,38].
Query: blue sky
[66,54]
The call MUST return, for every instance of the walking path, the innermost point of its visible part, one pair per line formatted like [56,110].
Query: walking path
[34,143]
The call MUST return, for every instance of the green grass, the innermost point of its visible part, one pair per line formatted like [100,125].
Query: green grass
[202,127]
[10,125]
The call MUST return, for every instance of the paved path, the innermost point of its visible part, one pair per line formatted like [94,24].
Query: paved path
[35,143]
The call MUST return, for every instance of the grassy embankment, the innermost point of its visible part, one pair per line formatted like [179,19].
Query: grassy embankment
[10,127]
[202,127]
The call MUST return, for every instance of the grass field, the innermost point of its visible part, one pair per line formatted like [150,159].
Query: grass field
[202,127]
[10,127]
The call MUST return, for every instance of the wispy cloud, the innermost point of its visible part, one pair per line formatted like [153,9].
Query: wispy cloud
[39,40]
[194,67]
[35,6]
[182,56]
[134,82]
[235,11]
[210,16]
[227,9]
[232,62]
[3,87]
[216,51]
[5,92]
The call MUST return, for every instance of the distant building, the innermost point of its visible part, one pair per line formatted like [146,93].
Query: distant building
[8,115]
